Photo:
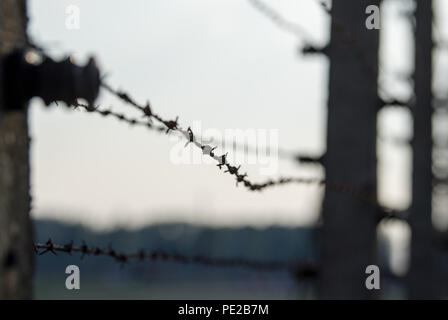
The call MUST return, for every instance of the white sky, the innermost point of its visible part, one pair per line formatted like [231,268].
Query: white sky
[217,61]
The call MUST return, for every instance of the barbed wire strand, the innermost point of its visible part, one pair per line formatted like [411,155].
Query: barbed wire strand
[307,269]
[208,150]
[119,116]
[268,150]
[282,153]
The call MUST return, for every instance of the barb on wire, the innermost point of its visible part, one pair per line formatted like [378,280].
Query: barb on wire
[306,269]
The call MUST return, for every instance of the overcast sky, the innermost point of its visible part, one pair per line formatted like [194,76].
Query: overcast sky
[220,62]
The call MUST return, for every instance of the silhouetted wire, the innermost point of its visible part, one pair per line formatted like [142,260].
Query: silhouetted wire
[208,150]
[268,151]
[302,269]
[307,269]
[173,125]
[119,116]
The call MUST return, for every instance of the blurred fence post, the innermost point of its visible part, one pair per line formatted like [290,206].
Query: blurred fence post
[16,253]
[424,276]
[348,232]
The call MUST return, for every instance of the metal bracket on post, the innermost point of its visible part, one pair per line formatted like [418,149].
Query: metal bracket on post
[21,80]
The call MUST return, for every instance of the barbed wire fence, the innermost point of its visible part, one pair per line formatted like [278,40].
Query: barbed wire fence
[169,126]
[155,122]
[299,268]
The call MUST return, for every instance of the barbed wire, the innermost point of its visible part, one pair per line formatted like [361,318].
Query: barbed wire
[281,153]
[168,126]
[173,125]
[306,269]
[208,150]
